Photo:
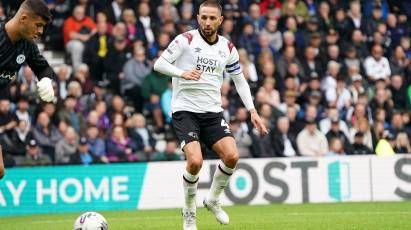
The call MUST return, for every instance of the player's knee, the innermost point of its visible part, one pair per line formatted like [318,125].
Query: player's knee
[2,173]
[195,164]
[231,160]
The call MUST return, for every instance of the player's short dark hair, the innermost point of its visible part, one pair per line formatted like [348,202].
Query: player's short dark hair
[37,7]
[212,3]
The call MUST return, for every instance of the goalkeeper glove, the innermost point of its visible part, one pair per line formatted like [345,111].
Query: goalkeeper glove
[45,89]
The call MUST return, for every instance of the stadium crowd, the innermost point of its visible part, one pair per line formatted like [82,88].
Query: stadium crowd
[328,77]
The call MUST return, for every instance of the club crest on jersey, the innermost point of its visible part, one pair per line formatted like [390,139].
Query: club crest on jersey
[20,58]
[222,54]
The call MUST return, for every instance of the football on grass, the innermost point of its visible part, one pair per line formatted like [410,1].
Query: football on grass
[91,221]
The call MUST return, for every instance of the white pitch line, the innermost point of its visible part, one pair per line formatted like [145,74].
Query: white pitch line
[266,214]
[110,219]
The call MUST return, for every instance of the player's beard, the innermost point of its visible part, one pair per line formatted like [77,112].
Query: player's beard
[208,33]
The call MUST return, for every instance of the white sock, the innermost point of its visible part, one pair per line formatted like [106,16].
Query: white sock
[190,183]
[220,180]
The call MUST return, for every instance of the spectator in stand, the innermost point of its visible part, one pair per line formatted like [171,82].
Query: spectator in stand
[289,56]
[402,144]
[310,141]
[355,18]
[382,100]
[385,146]
[103,121]
[118,106]
[135,70]
[313,85]
[284,142]
[117,119]
[228,30]
[324,16]
[406,45]
[153,87]
[376,18]
[96,50]
[115,10]
[134,30]
[82,75]
[51,111]
[15,141]
[117,56]
[142,137]
[248,39]
[290,98]
[362,125]
[329,82]
[243,139]
[275,36]
[22,111]
[333,114]
[311,66]
[63,79]
[27,84]
[145,22]
[160,44]
[87,102]
[8,120]
[254,17]
[356,88]
[77,30]
[291,25]
[62,126]
[96,144]
[83,155]
[399,63]
[397,124]
[351,60]
[167,11]
[310,113]
[268,93]
[398,92]
[268,113]
[169,154]
[339,96]
[120,148]
[336,148]
[165,102]
[73,118]
[381,116]
[34,156]
[335,132]
[376,65]
[395,29]
[264,43]
[249,70]
[89,5]
[67,146]
[314,99]
[358,147]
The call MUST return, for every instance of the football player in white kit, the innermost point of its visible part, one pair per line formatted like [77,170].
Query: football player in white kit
[196,60]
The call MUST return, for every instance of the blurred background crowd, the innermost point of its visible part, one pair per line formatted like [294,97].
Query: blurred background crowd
[329,77]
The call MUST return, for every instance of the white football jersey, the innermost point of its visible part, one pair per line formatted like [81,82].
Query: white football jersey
[191,50]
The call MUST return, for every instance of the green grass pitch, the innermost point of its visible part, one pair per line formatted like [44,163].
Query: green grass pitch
[344,216]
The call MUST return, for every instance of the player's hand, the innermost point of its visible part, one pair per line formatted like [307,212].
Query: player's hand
[192,75]
[258,123]
[45,89]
